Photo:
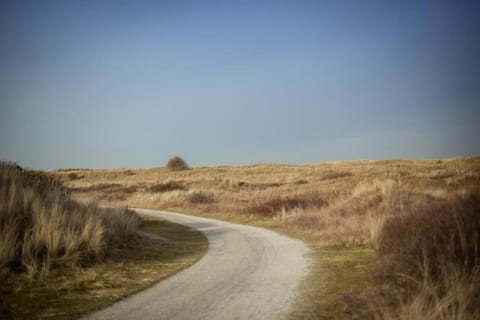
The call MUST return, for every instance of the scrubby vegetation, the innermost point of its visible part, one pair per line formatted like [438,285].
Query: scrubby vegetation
[433,254]
[419,219]
[165,187]
[200,197]
[177,164]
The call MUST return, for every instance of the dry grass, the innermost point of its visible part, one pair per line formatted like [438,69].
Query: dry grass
[353,204]
[76,292]
[433,254]
[341,203]
[42,229]
[164,187]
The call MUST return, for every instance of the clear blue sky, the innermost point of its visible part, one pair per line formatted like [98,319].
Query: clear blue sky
[131,83]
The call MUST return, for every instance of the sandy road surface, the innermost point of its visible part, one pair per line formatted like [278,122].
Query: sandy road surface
[247,273]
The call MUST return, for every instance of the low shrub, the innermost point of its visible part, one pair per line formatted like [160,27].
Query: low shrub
[108,191]
[73,176]
[275,205]
[165,187]
[433,255]
[442,233]
[200,197]
[336,175]
[129,172]
[177,164]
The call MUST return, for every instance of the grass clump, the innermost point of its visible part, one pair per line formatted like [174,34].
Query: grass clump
[441,233]
[108,191]
[165,187]
[274,206]
[200,197]
[177,164]
[42,229]
[433,255]
[73,176]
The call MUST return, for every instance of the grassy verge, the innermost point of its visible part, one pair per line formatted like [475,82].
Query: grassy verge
[72,293]
[337,277]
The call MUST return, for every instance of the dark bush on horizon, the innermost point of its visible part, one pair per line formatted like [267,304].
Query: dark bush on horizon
[177,164]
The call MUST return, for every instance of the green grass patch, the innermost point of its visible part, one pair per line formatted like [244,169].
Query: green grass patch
[336,279]
[73,293]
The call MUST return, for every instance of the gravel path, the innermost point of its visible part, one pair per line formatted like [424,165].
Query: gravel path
[247,273]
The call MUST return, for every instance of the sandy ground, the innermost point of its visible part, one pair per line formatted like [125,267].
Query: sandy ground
[247,273]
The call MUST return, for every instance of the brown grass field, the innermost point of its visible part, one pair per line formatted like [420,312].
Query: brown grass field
[398,239]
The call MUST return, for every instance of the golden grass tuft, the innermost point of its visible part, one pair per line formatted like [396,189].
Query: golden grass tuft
[433,253]
[42,229]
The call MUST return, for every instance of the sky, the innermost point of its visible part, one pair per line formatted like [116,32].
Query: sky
[103,84]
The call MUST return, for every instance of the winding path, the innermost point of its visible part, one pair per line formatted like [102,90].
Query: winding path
[247,273]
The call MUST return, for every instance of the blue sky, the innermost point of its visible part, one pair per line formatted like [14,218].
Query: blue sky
[130,83]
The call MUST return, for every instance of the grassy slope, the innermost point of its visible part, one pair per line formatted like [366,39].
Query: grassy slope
[339,208]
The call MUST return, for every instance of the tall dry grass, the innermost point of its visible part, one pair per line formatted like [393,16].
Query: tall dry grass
[43,229]
[433,255]
[421,216]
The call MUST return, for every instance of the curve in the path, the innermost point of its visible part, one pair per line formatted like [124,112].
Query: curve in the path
[247,273]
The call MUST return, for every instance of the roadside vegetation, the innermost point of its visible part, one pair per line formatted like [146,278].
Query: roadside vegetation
[394,239]
[61,259]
